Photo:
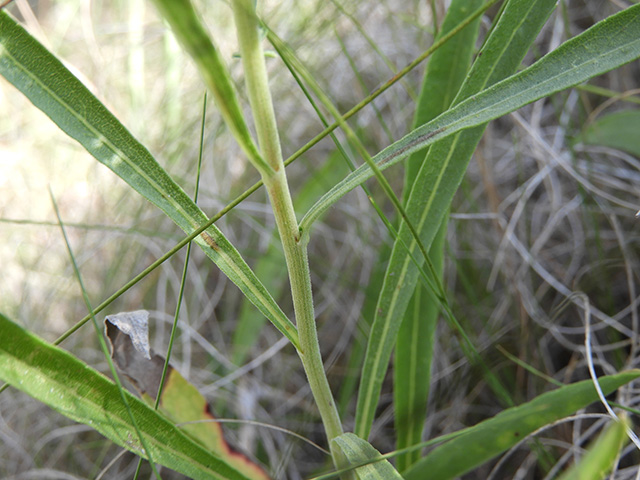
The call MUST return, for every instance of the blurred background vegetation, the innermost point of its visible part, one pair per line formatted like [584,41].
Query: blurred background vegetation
[541,213]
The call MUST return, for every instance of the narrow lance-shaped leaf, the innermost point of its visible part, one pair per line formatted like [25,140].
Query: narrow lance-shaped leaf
[443,77]
[607,45]
[58,379]
[194,38]
[413,358]
[480,443]
[54,90]
[433,190]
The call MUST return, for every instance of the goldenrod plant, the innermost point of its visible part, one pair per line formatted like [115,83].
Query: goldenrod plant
[482,65]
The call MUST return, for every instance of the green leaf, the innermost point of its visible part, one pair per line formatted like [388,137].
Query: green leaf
[413,358]
[359,451]
[443,77]
[602,455]
[54,90]
[616,130]
[433,190]
[445,72]
[607,45]
[480,443]
[193,37]
[61,381]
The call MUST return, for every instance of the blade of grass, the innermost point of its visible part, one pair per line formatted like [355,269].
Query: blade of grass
[605,92]
[103,344]
[373,45]
[363,86]
[133,230]
[55,91]
[410,424]
[66,384]
[503,51]
[443,77]
[183,280]
[298,70]
[607,45]
[389,83]
[294,66]
[109,300]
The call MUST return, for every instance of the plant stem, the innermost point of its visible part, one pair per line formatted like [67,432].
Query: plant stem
[247,25]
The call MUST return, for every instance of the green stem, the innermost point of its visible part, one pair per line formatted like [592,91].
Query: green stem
[247,25]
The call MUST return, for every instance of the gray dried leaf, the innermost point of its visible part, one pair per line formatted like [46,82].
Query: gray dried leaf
[136,326]
[128,334]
